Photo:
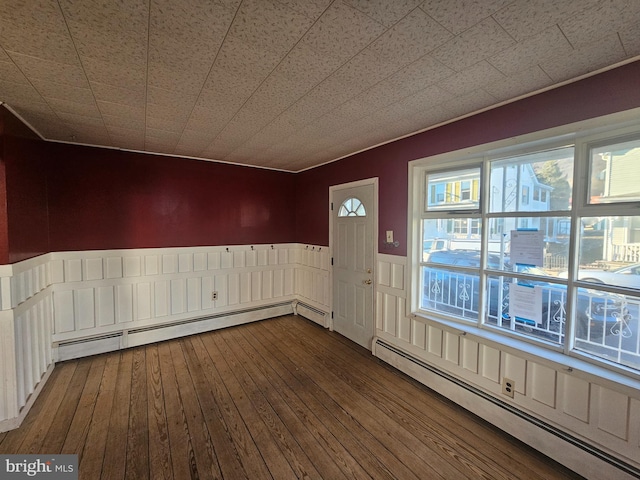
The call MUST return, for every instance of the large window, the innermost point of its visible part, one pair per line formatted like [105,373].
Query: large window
[540,244]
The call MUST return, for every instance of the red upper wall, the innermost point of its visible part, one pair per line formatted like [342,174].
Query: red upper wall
[104,199]
[609,92]
[23,215]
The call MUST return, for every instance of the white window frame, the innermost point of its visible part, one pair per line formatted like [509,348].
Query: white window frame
[582,135]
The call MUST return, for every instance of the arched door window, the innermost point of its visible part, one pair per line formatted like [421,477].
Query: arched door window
[352,207]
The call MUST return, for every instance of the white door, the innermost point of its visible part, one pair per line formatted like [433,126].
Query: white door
[353,239]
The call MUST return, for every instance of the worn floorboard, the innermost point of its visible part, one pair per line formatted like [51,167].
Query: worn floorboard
[282,398]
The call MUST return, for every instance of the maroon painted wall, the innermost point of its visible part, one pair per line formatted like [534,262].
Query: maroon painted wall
[104,199]
[23,214]
[609,92]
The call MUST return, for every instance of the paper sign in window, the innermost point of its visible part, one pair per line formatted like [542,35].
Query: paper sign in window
[527,247]
[525,303]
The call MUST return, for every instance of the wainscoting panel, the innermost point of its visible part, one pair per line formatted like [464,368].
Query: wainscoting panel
[71,304]
[598,417]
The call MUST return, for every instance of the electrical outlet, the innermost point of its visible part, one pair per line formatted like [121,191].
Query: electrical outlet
[214,296]
[508,387]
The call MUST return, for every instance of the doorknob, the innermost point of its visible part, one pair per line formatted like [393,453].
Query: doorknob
[367,282]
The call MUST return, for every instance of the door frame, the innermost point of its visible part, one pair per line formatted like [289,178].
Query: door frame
[344,186]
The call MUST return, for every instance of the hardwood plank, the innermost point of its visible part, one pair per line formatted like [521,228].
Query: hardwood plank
[91,462]
[228,459]
[397,457]
[351,435]
[115,452]
[77,434]
[261,434]
[246,449]
[295,423]
[260,367]
[206,462]
[182,454]
[286,442]
[138,434]
[160,465]
[29,437]
[57,433]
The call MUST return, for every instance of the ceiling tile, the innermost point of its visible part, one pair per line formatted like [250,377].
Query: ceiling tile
[531,51]
[223,101]
[63,92]
[43,69]
[131,47]
[616,14]
[524,18]
[524,82]
[77,120]
[11,73]
[124,111]
[426,70]
[305,65]
[174,126]
[123,132]
[599,54]
[132,76]
[362,71]
[342,31]
[66,106]
[114,94]
[469,79]
[310,8]
[406,41]
[243,60]
[190,21]
[47,36]
[127,123]
[479,42]
[383,11]
[269,25]
[206,120]
[468,103]
[460,15]
[631,40]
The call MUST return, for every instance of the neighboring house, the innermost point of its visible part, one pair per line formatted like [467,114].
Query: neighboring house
[522,191]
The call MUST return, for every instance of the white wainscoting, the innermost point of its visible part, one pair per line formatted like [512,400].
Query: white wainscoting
[593,411]
[70,304]
[25,336]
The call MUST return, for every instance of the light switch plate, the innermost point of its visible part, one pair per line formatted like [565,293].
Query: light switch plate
[389,236]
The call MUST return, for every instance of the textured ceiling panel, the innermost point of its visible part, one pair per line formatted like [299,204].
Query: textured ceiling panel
[290,84]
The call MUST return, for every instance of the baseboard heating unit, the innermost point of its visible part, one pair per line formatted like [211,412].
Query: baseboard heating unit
[311,313]
[125,338]
[573,452]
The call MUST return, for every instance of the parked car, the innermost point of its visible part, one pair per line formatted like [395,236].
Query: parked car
[628,276]
[457,293]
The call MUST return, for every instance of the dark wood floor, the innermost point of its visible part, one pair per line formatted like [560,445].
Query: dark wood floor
[278,399]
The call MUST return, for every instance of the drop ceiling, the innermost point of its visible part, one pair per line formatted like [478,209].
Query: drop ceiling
[289,84]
